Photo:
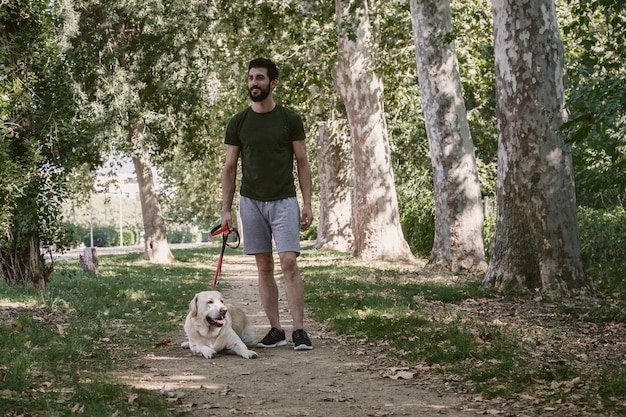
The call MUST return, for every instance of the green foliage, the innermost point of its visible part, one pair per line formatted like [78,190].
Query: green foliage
[472,25]
[44,131]
[595,40]
[603,248]
[182,236]
[102,237]
[415,192]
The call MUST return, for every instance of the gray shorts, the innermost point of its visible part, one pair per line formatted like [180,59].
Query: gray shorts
[262,220]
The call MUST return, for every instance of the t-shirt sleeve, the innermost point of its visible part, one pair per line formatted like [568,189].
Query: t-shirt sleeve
[232,131]
[296,127]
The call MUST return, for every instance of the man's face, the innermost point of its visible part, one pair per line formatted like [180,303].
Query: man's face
[259,85]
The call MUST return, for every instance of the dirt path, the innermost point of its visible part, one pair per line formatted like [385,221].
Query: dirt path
[334,379]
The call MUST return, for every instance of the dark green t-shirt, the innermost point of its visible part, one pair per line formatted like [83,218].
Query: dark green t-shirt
[266,151]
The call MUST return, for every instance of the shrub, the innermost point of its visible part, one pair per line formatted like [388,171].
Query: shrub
[102,237]
[603,247]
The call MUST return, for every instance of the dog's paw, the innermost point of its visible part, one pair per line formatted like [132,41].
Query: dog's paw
[207,352]
[249,354]
[185,345]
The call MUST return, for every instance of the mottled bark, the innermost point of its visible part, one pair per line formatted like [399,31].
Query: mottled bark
[157,249]
[375,214]
[458,242]
[335,179]
[536,238]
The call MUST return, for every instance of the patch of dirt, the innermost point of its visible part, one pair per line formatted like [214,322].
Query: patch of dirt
[337,378]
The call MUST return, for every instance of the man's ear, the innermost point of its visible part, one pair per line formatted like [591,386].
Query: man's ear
[273,84]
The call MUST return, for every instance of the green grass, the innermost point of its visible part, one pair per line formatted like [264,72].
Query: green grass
[425,322]
[58,347]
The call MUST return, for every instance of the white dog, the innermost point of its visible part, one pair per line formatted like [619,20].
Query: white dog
[211,327]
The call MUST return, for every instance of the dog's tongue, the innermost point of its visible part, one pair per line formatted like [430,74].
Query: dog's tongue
[220,321]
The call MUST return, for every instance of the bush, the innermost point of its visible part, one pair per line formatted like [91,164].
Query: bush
[603,248]
[182,236]
[102,237]
[73,235]
[131,237]
[418,223]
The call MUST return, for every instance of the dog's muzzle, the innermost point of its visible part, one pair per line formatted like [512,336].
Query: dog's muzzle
[219,321]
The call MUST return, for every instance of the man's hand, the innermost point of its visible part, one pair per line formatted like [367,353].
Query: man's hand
[306,218]
[227,219]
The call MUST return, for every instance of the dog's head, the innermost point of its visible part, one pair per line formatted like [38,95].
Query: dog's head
[209,306]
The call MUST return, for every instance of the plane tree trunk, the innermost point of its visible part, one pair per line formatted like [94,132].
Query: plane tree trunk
[157,249]
[458,243]
[536,237]
[375,213]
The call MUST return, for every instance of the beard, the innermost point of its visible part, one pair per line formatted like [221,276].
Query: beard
[262,95]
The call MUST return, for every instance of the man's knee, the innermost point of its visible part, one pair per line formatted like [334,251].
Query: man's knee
[288,263]
[265,263]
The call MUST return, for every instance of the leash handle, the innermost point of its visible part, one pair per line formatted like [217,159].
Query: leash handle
[219,229]
[225,231]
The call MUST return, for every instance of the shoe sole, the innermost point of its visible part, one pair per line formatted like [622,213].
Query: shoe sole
[277,344]
[302,347]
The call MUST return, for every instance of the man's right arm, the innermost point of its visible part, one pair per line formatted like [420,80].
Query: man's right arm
[229,176]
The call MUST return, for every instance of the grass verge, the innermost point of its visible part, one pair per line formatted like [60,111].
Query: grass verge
[546,352]
[58,347]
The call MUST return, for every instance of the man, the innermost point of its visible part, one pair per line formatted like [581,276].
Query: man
[268,137]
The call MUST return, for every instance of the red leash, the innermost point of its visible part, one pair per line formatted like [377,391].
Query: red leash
[225,232]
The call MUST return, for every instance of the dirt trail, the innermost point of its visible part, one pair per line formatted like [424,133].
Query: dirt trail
[334,379]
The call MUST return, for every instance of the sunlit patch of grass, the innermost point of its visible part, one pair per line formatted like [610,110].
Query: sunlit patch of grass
[420,321]
[57,345]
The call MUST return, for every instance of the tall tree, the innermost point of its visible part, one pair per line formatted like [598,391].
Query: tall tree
[536,238]
[375,215]
[335,180]
[145,65]
[43,137]
[458,244]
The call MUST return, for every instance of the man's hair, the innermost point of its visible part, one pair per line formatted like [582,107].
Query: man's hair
[272,69]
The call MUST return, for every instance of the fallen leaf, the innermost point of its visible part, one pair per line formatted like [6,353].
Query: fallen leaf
[164,342]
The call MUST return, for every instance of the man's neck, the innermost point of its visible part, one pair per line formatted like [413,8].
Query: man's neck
[264,106]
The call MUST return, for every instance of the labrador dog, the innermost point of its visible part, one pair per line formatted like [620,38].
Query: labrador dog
[211,327]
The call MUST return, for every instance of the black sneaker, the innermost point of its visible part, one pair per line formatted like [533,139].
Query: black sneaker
[301,340]
[273,338]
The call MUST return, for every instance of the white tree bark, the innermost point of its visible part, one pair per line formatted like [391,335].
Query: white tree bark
[458,244]
[157,249]
[375,213]
[536,238]
[335,177]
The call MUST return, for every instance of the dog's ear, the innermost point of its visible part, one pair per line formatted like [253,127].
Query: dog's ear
[193,306]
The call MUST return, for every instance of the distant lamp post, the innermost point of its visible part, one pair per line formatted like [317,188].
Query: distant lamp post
[91,219]
[121,223]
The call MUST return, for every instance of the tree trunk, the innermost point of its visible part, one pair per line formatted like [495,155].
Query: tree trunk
[335,174]
[157,249]
[25,265]
[375,214]
[536,237]
[89,260]
[458,243]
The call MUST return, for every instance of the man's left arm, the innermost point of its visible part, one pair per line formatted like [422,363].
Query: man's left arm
[306,182]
